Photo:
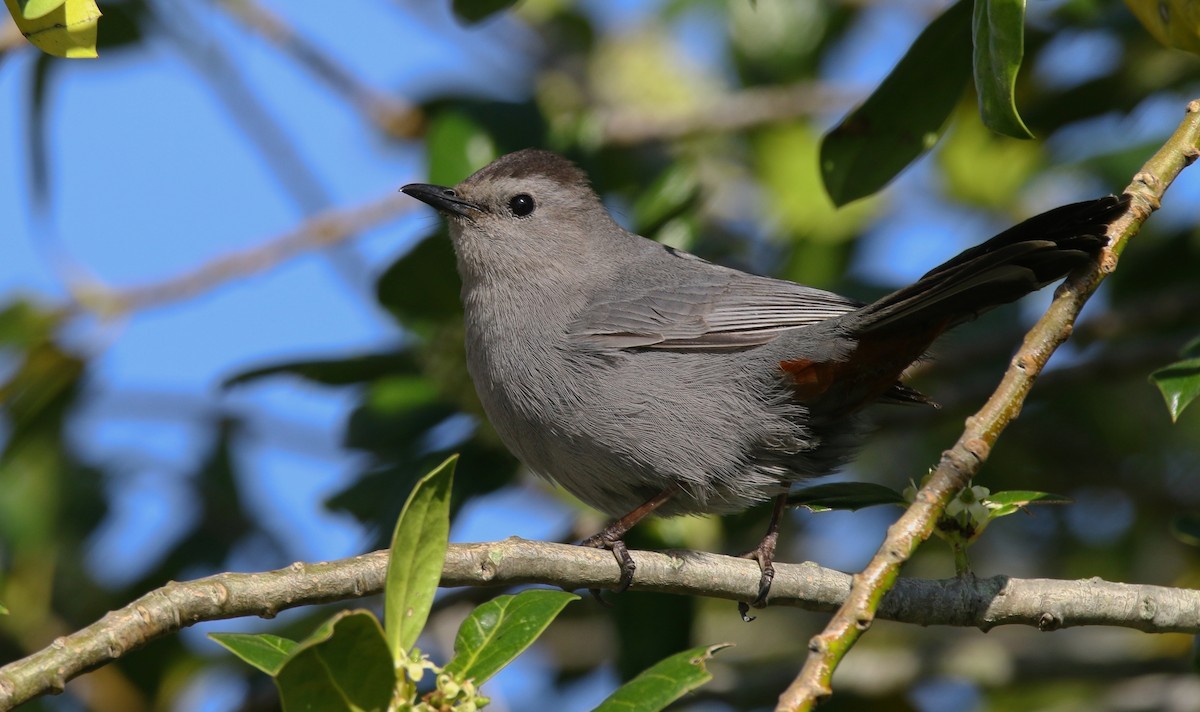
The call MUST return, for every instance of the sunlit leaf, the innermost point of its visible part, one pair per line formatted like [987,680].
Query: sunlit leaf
[415,563]
[1174,23]
[663,683]
[498,631]
[999,38]
[264,651]
[458,146]
[905,115]
[1179,384]
[63,28]
[1002,504]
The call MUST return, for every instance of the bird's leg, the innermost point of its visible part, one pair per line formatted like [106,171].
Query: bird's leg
[612,538]
[764,554]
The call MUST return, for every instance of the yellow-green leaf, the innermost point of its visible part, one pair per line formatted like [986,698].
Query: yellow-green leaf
[1175,23]
[63,28]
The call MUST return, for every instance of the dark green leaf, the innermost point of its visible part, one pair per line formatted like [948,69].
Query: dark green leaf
[498,631]
[334,372]
[906,114]
[422,285]
[122,25]
[664,683]
[1179,384]
[1191,349]
[264,651]
[472,11]
[1186,528]
[343,666]
[999,35]
[845,495]
[417,553]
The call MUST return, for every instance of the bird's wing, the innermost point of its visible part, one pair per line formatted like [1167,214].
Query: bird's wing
[715,309]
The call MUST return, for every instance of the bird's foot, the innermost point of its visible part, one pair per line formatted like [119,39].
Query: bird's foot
[607,539]
[764,554]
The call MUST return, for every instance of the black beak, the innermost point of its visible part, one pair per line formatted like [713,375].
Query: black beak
[443,199]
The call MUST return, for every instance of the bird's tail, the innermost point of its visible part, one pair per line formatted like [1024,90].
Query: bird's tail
[1020,260]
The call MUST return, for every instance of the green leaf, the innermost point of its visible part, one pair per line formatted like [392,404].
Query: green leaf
[24,324]
[62,28]
[472,11]
[1179,384]
[1191,349]
[458,146]
[905,115]
[999,35]
[663,683]
[417,554]
[498,631]
[845,495]
[422,285]
[343,666]
[333,372]
[264,651]
[674,191]
[1186,528]
[1011,501]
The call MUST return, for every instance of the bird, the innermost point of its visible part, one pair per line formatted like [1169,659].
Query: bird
[646,380]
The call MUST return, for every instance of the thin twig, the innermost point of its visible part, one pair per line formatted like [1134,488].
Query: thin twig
[732,112]
[961,462]
[393,116]
[321,231]
[980,603]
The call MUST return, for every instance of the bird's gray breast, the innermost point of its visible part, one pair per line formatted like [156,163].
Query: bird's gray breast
[617,426]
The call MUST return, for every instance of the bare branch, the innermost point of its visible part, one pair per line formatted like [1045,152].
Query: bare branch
[322,230]
[980,603]
[961,462]
[393,116]
[732,112]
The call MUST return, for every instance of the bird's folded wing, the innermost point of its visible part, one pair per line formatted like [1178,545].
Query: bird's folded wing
[722,310]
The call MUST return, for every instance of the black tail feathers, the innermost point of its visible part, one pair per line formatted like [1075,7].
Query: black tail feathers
[1020,260]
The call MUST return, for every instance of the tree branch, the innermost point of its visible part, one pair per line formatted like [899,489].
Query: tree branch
[324,230]
[982,603]
[960,463]
[395,117]
[732,112]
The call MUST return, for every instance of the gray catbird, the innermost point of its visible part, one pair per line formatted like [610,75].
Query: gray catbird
[644,379]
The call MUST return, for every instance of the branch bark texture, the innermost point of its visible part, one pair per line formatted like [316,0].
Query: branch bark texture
[982,603]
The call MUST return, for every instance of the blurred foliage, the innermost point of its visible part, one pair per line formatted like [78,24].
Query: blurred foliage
[752,197]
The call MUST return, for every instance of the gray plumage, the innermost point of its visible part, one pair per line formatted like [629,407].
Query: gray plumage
[619,367]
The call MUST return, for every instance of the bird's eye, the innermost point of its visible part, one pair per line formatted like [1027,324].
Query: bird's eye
[521,205]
